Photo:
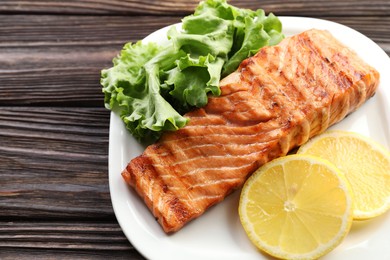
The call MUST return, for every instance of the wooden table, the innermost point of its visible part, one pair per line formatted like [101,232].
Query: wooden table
[54,195]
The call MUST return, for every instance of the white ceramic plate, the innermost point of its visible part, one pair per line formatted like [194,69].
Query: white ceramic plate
[218,233]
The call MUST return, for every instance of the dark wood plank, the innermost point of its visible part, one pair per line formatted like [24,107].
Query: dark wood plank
[64,240]
[57,60]
[58,235]
[291,7]
[66,254]
[60,30]
[54,163]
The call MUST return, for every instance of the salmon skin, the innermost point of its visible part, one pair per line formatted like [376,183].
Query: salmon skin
[275,101]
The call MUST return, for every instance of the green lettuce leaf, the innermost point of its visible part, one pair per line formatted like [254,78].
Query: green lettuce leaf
[132,86]
[194,78]
[152,86]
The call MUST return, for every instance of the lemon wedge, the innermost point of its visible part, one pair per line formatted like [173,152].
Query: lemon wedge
[365,163]
[296,207]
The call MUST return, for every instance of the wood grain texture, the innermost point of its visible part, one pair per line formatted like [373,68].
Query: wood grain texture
[54,163]
[182,7]
[12,253]
[64,240]
[57,59]
[99,235]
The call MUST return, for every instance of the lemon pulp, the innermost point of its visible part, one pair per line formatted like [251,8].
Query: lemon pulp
[365,164]
[296,207]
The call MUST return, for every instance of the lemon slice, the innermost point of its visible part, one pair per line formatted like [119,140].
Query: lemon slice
[296,207]
[365,163]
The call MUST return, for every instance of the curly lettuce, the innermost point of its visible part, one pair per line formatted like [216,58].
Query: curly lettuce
[152,86]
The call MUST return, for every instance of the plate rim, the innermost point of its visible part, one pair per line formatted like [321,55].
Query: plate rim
[139,245]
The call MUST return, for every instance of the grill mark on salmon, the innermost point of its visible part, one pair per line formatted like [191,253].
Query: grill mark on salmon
[274,102]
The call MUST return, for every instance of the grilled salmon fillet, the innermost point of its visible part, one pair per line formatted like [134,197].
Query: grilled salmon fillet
[275,101]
